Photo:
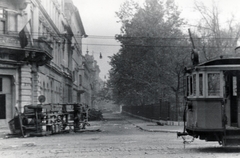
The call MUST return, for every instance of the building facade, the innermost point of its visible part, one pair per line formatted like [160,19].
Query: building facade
[92,82]
[40,54]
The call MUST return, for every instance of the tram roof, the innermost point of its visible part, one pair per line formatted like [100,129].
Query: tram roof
[225,62]
[222,61]
[229,59]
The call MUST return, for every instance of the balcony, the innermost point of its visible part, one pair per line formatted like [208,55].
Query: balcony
[40,51]
[42,46]
[81,89]
[67,71]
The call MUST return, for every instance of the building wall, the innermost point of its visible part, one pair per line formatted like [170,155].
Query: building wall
[50,65]
[52,75]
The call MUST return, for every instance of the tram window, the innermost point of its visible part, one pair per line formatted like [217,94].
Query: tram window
[200,84]
[234,88]
[213,84]
[188,86]
[191,88]
[194,85]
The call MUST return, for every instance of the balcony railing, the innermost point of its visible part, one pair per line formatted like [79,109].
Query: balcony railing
[81,89]
[40,51]
[43,46]
[13,42]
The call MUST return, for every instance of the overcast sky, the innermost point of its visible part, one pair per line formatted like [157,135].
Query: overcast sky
[100,23]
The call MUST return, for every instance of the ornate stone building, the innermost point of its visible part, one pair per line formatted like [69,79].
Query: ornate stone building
[92,82]
[40,54]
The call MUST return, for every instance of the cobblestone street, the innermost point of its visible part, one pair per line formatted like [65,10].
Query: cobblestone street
[118,138]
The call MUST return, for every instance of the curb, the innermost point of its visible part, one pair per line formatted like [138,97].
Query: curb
[153,130]
[171,123]
[157,130]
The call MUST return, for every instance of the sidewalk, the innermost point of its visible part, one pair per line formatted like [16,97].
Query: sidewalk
[152,126]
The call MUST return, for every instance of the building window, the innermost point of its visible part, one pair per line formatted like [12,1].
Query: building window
[0,84]
[80,80]
[69,94]
[73,76]
[2,21]
[187,86]
[47,94]
[40,28]
[213,84]
[200,84]
[32,21]
[56,52]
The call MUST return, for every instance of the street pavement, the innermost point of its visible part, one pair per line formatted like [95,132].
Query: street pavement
[138,123]
[117,136]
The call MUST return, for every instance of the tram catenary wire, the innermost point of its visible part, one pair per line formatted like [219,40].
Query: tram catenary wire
[113,37]
[133,45]
[112,45]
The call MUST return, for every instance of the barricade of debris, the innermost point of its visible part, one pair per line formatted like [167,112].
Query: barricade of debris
[95,115]
[47,119]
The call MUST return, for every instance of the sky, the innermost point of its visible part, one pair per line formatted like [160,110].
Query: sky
[100,24]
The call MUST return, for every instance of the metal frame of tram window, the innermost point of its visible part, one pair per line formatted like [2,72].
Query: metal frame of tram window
[190,84]
[203,87]
[204,84]
[220,80]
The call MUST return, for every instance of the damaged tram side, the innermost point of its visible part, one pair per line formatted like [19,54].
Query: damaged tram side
[212,110]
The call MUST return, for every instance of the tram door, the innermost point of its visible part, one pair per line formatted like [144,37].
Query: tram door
[234,91]
[234,99]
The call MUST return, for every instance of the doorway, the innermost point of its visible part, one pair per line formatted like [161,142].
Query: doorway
[2,106]
[6,96]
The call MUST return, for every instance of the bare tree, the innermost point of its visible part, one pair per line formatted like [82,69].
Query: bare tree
[216,37]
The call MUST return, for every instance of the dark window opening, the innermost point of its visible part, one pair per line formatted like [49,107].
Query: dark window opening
[0,84]
[2,106]
[201,84]
[188,86]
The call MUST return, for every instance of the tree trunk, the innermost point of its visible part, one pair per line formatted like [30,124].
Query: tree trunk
[176,106]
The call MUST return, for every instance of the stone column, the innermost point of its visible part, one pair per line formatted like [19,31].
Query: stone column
[25,97]
[36,91]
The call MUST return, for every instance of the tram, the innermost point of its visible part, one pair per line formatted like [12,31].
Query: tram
[212,110]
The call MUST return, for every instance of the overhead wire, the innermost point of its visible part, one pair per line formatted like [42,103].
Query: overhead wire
[114,37]
[135,45]
[100,37]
